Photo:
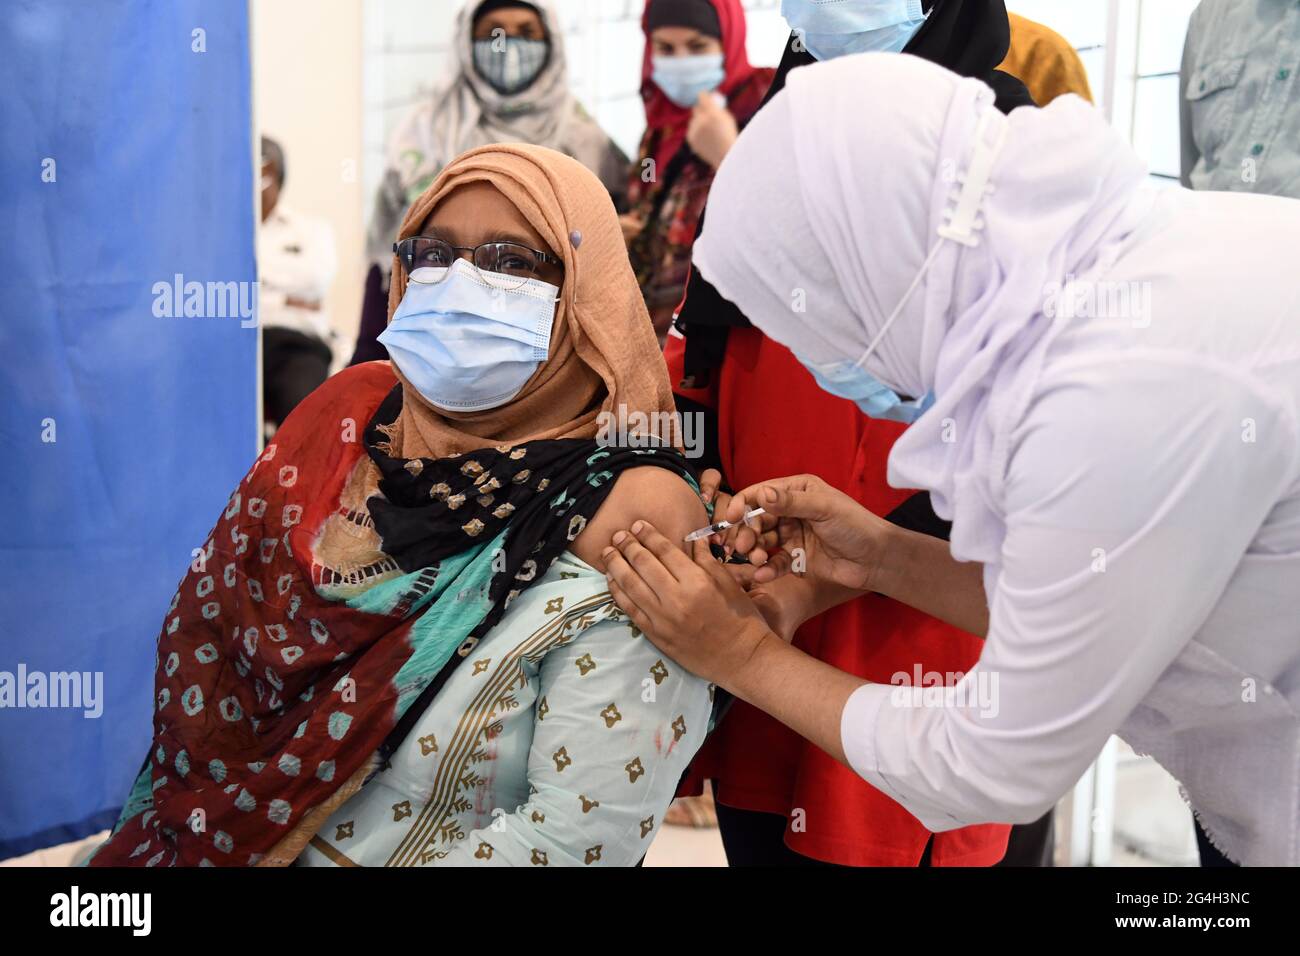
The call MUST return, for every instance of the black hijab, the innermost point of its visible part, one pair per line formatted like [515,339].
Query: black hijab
[969,37]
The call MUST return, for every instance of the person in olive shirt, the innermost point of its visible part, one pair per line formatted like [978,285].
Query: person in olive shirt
[1238,100]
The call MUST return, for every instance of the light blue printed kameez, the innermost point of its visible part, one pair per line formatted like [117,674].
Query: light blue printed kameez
[558,742]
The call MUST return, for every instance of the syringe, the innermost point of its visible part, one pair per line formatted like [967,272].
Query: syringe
[719,526]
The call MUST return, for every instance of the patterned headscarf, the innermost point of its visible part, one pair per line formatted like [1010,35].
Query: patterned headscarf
[467,112]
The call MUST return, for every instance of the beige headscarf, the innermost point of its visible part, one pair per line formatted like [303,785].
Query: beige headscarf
[603,348]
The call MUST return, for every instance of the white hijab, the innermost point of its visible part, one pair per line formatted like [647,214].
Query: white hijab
[824,212]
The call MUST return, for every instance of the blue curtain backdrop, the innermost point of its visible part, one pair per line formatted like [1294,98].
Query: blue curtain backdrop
[125,161]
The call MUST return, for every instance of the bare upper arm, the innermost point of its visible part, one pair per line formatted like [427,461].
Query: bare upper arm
[652,494]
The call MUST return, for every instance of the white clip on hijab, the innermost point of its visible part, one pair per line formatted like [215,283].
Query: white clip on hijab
[962,222]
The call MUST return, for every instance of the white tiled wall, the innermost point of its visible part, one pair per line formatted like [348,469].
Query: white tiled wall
[1133,49]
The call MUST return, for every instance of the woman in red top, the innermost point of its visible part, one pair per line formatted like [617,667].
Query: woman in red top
[821,808]
[782,800]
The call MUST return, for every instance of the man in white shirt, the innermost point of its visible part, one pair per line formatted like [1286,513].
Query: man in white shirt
[296,264]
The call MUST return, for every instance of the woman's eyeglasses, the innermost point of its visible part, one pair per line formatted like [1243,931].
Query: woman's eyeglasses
[503,258]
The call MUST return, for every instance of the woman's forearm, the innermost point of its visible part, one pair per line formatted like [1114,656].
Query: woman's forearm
[808,695]
[919,571]
[805,694]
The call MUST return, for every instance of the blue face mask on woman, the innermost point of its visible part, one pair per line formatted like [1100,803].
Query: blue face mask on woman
[684,78]
[469,340]
[873,397]
[831,28]
[851,380]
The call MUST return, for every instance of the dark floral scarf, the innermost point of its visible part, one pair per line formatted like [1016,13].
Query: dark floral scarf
[541,494]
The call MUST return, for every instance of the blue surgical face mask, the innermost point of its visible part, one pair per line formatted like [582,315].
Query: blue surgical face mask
[684,78]
[510,64]
[832,28]
[876,399]
[469,340]
[851,380]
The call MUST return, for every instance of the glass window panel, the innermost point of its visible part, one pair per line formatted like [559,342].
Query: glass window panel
[624,120]
[1162,30]
[1094,61]
[766,33]
[619,49]
[1155,124]
[416,23]
[1082,22]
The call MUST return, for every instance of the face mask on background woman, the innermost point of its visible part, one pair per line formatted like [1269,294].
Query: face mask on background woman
[684,78]
[510,64]
[831,28]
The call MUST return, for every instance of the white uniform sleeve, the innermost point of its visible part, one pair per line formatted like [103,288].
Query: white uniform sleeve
[616,726]
[1130,498]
